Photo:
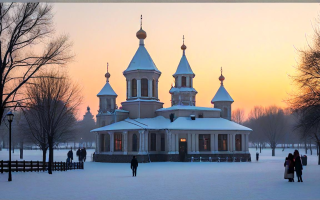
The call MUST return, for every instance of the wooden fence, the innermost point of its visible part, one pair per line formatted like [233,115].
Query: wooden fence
[37,166]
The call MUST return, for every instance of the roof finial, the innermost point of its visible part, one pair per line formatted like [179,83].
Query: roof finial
[107,74]
[141,22]
[221,78]
[183,47]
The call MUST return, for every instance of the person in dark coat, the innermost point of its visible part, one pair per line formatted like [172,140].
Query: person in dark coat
[79,155]
[84,154]
[289,168]
[134,166]
[70,156]
[298,165]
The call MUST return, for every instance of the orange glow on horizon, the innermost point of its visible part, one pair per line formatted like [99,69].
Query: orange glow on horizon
[254,43]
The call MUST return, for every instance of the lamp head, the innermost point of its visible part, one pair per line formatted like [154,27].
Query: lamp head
[10,116]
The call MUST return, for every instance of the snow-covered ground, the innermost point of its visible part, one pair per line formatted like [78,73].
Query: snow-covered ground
[164,180]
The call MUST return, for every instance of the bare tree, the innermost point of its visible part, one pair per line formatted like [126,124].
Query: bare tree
[52,104]
[238,116]
[273,126]
[256,136]
[24,26]
[306,98]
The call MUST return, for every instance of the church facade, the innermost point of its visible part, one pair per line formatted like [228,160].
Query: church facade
[142,127]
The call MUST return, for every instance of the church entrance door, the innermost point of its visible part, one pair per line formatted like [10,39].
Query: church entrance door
[183,149]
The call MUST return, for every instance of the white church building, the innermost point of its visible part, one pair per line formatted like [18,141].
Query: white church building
[142,127]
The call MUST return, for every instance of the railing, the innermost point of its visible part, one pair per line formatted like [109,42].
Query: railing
[218,159]
[37,166]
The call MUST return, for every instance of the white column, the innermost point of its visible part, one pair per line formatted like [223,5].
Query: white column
[233,142]
[189,142]
[173,143]
[197,143]
[146,141]
[150,88]
[216,147]
[111,141]
[179,81]
[97,143]
[139,88]
[212,141]
[140,142]
[247,143]
[142,145]
[112,104]
[156,94]
[193,142]
[187,79]
[129,89]
[177,143]
[125,143]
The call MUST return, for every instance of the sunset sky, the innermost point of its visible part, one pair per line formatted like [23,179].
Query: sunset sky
[256,44]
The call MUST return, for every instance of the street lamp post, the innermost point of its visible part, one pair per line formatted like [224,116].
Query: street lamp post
[10,119]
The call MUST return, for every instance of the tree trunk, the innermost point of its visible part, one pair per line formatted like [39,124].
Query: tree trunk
[21,150]
[318,153]
[273,151]
[50,140]
[305,147]
[260,147]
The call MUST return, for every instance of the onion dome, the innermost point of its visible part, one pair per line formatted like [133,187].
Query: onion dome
[107,75]
[221,78]
[141,34]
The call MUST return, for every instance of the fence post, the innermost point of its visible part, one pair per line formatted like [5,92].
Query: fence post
[61,166]
[31,165]
[1,166]
[16,165]
[55,166]
[38,165]
[24,166]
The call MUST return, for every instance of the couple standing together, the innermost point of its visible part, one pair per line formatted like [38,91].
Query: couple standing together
[293,163]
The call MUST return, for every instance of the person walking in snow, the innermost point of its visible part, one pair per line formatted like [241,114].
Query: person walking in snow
[70,157]
[84,154]
[134,166]
[79,155]
[298,165]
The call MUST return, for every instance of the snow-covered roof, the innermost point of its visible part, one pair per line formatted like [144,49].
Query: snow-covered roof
[181,123]
[183,67]
[183,107]
[107,90]
[182,89]
[222,95]
[221,124]
[141,61]
[136,124]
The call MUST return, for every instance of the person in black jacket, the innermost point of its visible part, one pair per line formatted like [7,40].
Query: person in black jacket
[298,165]
[134,165]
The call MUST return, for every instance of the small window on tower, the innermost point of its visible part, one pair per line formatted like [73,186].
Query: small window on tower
[184,81]
[134,87]
[144,87]
[154,88]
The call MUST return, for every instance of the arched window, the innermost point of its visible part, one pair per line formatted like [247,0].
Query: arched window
[184,81]
[176,82]
[238,142]
[190,82]
[144,87]
[153,88]
[153,142]
[134,142]
[117,142]
[134,88]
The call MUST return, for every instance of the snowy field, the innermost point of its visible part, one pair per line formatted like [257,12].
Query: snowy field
[163,180]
